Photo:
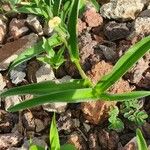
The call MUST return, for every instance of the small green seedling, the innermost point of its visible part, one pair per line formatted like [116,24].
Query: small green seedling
[130,110]
[115,122]
[53,139]
[140,140]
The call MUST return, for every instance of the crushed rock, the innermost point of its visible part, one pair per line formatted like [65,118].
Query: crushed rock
[116,31]
[131,145]
[34,24]
[108,140]
[18,74]
[92,18]
[10,140]
[2,30]
[45,73]
[12,100]
[17,28]
[2,82]
[77,140]
[6,122]
[122,9]
[141,26]
[10,51]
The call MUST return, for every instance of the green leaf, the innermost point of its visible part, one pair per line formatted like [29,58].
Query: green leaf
[36,147]
[54,137]
[124,96]
[124,64]
[35,50]
[70,96]
[30,10]
[67,147]
[56,7]
[140,140]
[115,122]
[96,5]
[72,29]
[46,87]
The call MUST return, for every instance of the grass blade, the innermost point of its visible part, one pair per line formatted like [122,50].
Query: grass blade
[46,87]
[124,64]
[54,136]
[67,147]
[124,96]
[76,95]
[34,51]
[96,5]
[30,10]
[70,96]
[140,140]
[56,7]
[73,46]
[36,147]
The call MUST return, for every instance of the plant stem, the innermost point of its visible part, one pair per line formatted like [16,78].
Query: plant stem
[82,73]
[62,34]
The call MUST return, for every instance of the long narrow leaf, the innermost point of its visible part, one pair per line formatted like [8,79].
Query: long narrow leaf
[56,7]
[73,46]
[46,87]
[35,50]
[124,64]
[140,140]
[75,96]
[54,136]
[70,96]
[36,147]
[124,96]
[30,10]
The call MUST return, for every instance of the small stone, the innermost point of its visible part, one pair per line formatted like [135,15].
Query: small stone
[47,30]
[65,122]
[108,140]
[87,127]
[55,107]
[17,28]
[141,26]
[34,24]
[81,26]
[18,74]
[39,125]
[2,82]
[116,31]
[131,145]
[2,30]
[136,73]
[92,18]
[10,140]
[93,141]
[146,129]
[77,140]
[109,50]
[11,101]
[122,9]
[96,112]
[28,121]
[6,121]
[10,51]
[45,73]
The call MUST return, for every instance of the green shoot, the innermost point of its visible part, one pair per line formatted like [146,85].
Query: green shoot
[115,122]
[140,140]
